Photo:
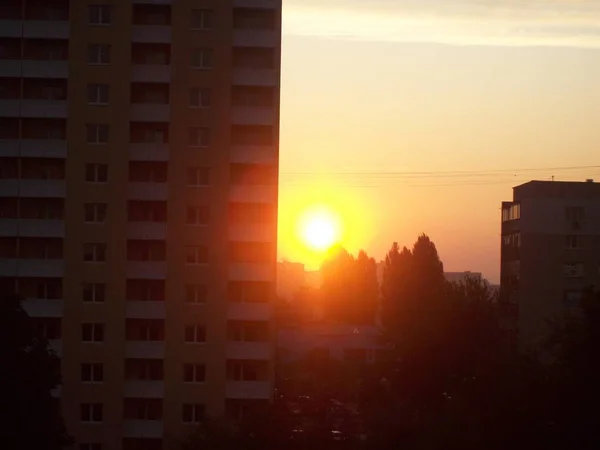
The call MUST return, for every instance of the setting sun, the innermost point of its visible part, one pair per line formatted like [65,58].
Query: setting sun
[319,229]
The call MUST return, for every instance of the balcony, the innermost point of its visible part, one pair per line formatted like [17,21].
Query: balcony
[151,34]
[148,191]
[249,389]
[37,29]
[257,3]
[253,194]
[45,69]
[245,115]
[253,154]
[34,108]
[145,310]
[255,77]
[252,232]
[144,389]
[150,112]
[33,188]
[41,307]
[143,429]
[34,148]
[32,228]
[145,349]
[250,350]
[147,230]
[248,311]
[256,38]
[146,73]
[148,152]
[37,268]
[150,270]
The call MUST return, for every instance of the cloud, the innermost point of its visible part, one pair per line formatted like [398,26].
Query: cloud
[572,23]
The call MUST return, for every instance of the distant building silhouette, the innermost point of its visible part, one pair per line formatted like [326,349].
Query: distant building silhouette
[550,251]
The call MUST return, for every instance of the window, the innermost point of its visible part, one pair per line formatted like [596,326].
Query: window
[194,373]
[196,254]
[573,270]
[242,371]
[92,373]
[96,173]
[94,252]
[142,290]
[202,19]
[196,293]
[202,58]
[142,408]
[144,369]
[90,446]
[48,327]
[95,212]
[199,137]
[99,14]
[197,215]
[98,94]
[192,412]
[91,412]
[575,213]
[198,176]
[92,332]
[195,334]
[93,292]
[97,133]
[200,97]
[573,242]
[99,54]
[145,329]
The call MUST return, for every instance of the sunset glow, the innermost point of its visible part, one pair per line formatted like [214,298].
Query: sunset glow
[319,229]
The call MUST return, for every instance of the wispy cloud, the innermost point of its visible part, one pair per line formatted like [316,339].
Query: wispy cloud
[574,23]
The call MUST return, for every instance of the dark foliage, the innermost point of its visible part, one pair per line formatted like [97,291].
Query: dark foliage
[31,416]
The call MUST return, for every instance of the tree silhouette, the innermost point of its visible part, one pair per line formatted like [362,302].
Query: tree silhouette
[31,416]
[349,290]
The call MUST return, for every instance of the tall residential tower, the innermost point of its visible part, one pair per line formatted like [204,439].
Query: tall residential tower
[138,205]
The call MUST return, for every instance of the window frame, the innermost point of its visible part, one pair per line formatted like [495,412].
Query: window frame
[98,252]
[95,213]
[205,18]
[98,94]
[100,14]
[202,58]
[196,292]
[96,290]
[96,333]
[96,169]
[200,98]
[99,54]
[197,332]
[95,132]
[197,372]
[95,372]
[94,411]
[195,411]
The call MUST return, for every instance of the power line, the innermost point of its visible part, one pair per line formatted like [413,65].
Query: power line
[439,173]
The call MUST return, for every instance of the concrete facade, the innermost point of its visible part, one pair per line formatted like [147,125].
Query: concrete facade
[550,252]
[139,150]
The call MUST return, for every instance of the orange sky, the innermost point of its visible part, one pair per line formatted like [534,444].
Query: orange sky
[427,129]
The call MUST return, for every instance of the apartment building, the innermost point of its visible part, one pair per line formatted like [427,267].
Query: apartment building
[550,252]
[138,205]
